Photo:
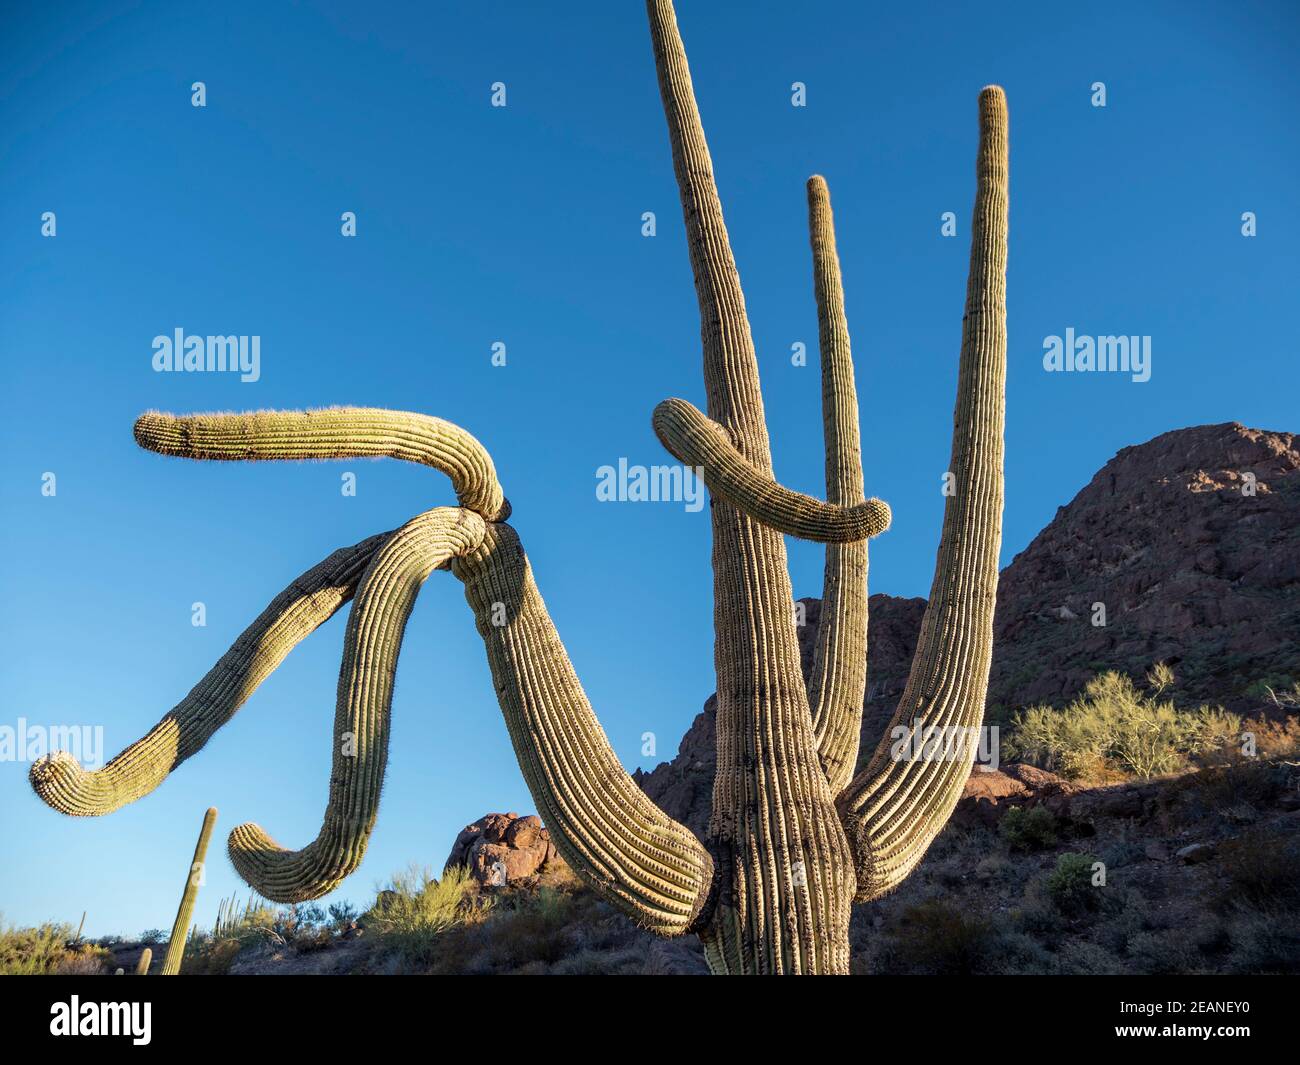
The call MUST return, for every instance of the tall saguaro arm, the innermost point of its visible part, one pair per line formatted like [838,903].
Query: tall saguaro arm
[895,807]
[838,678]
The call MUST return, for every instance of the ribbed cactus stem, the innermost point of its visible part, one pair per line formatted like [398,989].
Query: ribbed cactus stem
[308,602]
[362,713]
[838,678]
[142,966]
[171,965]
[333,433]
[700,442]
[603,825]
[896,806]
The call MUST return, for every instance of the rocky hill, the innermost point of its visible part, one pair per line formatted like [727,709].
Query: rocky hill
[1190,542]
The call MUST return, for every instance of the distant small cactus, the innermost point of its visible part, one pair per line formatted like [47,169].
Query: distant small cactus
[171,965]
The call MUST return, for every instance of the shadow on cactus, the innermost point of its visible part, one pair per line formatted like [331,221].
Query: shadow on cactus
[794,838]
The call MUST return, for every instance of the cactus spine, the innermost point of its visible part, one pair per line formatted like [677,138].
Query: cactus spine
[171,965]
[794,838]
[142,966]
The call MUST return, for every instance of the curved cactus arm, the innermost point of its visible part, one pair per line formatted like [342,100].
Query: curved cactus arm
[698,441]
[376,625]
[895,807]
[310,601]
[604,826]
[838,679]
[171,965]
[333,433]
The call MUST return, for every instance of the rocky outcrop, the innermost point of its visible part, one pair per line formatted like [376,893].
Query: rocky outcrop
[1191,543]
[503,850]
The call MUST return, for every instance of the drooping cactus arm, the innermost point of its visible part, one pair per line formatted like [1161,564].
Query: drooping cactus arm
[310,601]
[604,826]
[333,433]
[376,625]
[837,681]
[701,442]
[895,807]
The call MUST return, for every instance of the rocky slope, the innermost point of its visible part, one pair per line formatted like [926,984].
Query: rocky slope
[1033,875]
[1192,543]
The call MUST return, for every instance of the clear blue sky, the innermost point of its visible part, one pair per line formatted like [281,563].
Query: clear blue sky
[523,225]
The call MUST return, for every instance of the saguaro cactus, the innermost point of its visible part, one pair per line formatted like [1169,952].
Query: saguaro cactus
[171,965]
[794,838]
[146,958]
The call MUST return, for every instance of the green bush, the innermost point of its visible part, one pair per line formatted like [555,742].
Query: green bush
[1028,828]
[1113,727]
[1070,887]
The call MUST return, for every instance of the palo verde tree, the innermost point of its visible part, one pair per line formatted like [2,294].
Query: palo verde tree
[795,837]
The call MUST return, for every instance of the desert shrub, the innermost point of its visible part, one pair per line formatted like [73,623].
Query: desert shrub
[1163,953]
[1276,689]
[1275,739]
[46,950]
[1037,917]
[1124,850]
[629,961]
[211,957]
[1013,953]
[1114,726]
[1262,872]
[415,909]
[1252,782]
[937,938]
[1081,958]
[1069,886]
[84,960]
[1265,943]
[257,921]
[532,928]
[342,915]
[1127,915]
[1028,828]
[995,867]
[151,937]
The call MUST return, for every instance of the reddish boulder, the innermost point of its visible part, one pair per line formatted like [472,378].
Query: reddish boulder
[503,850]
